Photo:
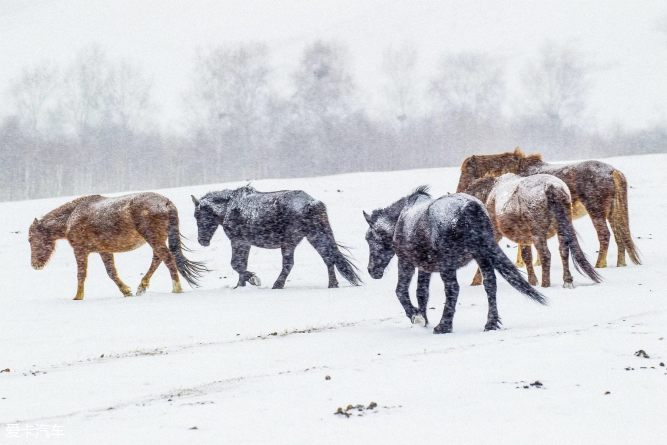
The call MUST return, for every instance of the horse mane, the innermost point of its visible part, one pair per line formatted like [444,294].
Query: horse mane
[394,210]
[57,218]
[422,190]
[519,153]
[248,188]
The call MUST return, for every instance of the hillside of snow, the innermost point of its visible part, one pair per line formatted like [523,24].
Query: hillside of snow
[256,365]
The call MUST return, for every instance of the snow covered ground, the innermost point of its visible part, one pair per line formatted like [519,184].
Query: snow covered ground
[255,365]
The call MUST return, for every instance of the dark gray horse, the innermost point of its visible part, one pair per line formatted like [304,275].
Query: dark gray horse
[271,220]
[439,235]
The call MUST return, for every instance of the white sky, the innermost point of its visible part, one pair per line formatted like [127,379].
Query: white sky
[620,37]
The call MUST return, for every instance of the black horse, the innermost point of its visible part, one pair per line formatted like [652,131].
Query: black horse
[271,220]
[439,235]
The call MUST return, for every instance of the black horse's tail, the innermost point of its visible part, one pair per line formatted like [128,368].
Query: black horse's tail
[322,238]
[490,249]
[559,203]
[190,270]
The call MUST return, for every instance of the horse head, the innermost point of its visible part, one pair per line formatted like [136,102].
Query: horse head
[209,213]
[42,244]
[379,236]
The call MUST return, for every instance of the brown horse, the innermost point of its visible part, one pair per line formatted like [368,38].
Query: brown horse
[596,188]
[108,225]
[529,210]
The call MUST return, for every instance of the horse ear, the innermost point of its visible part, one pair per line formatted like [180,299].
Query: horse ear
[195,200]
[368,218]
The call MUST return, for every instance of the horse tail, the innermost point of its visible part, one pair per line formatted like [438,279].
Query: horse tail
[322,238]
[560,206]
[488,248]
[190,270]
[619,215]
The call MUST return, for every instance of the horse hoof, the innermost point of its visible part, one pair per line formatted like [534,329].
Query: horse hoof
[492,326]
[127,294]
[568,285]
[254,280]
[278,286]
[77,298]
[333,286]
[141,290]
[418,319]
[440,329]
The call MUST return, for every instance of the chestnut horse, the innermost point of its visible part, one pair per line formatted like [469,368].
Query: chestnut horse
[108,225]
[529,210]
[596,188]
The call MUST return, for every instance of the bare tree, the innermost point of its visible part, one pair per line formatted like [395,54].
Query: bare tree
[32,95]
[467,95]
[322,111]
[83,92]
[470,85]
[399,66]
[229,100]
[126,100]
[323,84]
[556,85]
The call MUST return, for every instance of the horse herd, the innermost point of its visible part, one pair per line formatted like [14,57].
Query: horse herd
[511,194]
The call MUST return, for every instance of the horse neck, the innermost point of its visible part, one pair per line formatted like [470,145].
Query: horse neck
[55,222]
[531,165]
[390,214]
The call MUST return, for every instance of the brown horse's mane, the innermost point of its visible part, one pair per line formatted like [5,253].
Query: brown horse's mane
[56,219]
[527,160]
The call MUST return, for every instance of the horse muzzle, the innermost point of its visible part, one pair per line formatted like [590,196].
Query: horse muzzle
[203,242]
[376,273]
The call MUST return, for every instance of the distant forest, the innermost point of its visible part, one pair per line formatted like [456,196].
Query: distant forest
[90,127]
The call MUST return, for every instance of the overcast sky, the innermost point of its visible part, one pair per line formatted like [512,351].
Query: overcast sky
[622,39]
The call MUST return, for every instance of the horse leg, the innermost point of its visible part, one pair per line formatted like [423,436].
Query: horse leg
[324,250]
[618,237]
[81,270]
[423,282]
[405,273]
[107,259]
[167,258]
[240,252]
[452,294]
[527,254]
[143,285]
[545,257]
[600,224]
[519,257]
[477,279]
[288,262]
[565,258]
[492,319]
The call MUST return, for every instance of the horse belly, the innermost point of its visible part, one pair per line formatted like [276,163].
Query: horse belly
[514,228]
[578,210]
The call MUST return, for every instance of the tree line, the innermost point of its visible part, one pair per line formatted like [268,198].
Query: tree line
[91,126]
